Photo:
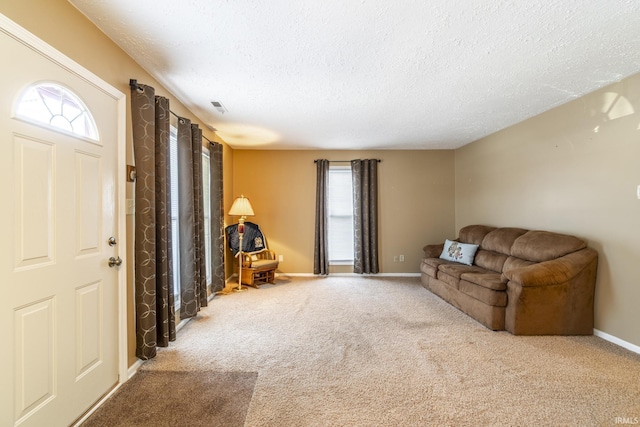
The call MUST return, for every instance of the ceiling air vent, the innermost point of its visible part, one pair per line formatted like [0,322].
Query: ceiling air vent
[218,105]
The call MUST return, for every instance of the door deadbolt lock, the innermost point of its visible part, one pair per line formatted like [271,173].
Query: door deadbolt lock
[115,262]
[112,241]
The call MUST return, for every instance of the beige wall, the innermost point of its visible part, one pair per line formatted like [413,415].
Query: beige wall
[63,27]
[574,169]
[416,201]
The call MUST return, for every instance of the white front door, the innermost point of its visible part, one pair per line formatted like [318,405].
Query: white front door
[59,297]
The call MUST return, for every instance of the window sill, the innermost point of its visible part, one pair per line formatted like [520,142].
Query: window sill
[340,262]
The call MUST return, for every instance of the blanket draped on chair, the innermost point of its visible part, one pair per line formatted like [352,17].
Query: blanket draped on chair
[252,241]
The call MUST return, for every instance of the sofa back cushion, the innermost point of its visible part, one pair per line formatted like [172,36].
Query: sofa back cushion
[490,260]
[500,240]
[538,246]
[495,244]
[474,233]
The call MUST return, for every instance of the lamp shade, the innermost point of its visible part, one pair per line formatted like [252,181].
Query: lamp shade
[241,207]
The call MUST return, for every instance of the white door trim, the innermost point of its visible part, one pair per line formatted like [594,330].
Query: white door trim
[20,34]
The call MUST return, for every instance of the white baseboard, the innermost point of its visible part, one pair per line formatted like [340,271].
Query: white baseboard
[349,275]
[234,277]
[617,341]
[133,369]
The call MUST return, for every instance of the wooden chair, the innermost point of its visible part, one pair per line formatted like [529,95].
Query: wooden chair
[259,268]
[258,262]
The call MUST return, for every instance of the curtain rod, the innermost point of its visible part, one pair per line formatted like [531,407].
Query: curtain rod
[343,161]
[133,83]
[182,118]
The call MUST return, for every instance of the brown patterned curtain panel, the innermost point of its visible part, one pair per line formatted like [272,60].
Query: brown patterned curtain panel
[155,321]
[365,215]
[154,275]
[193,276]
[321,246]
[217,217]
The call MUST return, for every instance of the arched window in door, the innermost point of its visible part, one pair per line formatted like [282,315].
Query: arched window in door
[55,106]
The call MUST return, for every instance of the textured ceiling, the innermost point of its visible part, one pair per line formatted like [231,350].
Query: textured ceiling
[373,74]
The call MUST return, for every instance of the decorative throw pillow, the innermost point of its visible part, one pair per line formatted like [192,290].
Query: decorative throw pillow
[459,252]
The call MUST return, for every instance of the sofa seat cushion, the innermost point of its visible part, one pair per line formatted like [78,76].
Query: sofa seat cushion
[494,281]
[450,273]
[429,266]
[488,296]
[456,270]
[436,262]
[428,269]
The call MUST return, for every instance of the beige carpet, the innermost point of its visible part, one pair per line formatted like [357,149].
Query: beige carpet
[173,399]
[386,352]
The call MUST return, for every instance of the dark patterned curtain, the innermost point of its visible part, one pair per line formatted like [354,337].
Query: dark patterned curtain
[217,217]
[321,247]
[193,277]
[155,320]
[365,215]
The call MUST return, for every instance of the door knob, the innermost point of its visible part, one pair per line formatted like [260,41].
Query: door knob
[114,262]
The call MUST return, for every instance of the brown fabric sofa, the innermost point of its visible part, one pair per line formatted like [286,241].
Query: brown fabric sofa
[525,282]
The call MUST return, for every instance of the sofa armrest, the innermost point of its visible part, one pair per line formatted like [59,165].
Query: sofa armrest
[554,272]
[433,251]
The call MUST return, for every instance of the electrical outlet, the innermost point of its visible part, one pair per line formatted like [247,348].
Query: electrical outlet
[280,258]
[395,258]
[401,258]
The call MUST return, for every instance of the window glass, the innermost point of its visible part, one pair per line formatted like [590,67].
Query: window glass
[175,223]
[56,107]
[175,218]
[206,185]
[340,215]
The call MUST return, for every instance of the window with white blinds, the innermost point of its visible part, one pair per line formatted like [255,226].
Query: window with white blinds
[206,185]
[175,219]
[175,222]
[340,215]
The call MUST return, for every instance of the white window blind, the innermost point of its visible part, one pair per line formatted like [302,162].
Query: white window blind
[175,223]
[206,185]
[340,215]
[175,219]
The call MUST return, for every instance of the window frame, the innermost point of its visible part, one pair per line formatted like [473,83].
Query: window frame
[348,199]
[206,210]
[175,217]
[92,133]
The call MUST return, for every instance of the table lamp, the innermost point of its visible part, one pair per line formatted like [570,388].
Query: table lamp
[242,208]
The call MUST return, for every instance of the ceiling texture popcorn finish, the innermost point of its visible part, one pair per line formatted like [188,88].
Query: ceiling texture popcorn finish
[373,74]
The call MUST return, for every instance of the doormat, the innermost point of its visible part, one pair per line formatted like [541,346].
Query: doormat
[172,398]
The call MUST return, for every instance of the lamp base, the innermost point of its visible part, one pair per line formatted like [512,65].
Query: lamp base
[225,291]
[230,289]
